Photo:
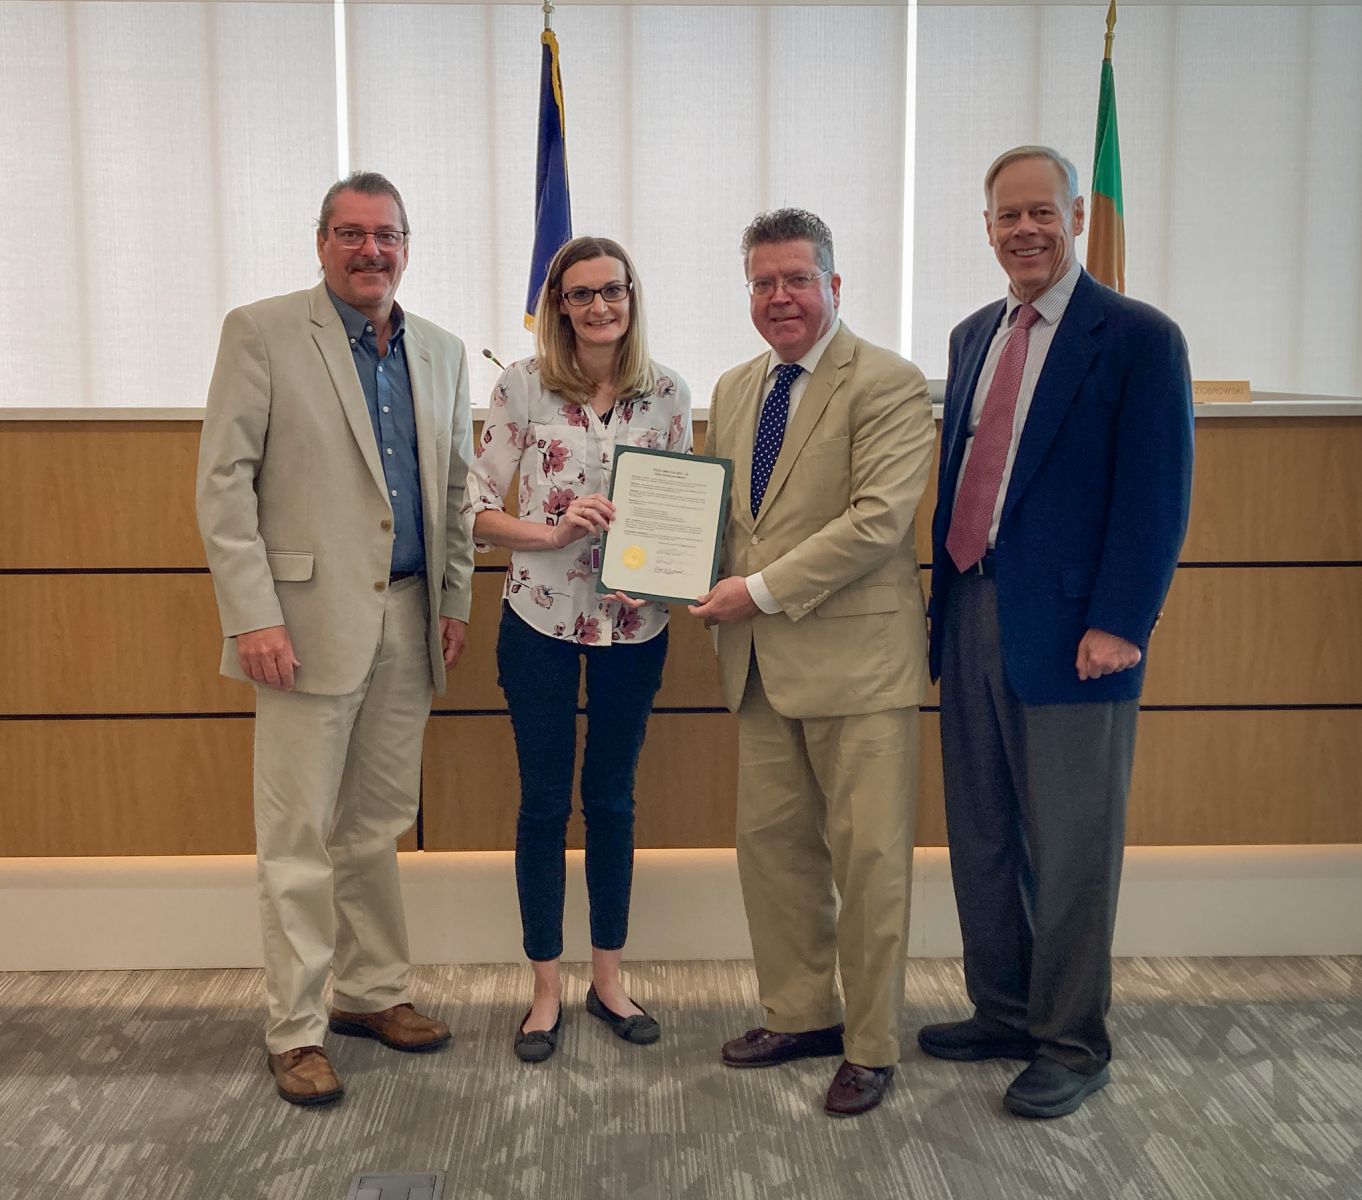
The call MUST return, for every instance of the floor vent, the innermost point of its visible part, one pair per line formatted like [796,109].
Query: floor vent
[424,1185]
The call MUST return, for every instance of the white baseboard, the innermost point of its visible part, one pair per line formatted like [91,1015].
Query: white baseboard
[131,913]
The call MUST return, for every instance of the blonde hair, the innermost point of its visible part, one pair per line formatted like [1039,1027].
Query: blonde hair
[556,345]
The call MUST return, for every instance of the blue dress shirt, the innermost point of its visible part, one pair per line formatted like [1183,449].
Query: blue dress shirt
[387,393]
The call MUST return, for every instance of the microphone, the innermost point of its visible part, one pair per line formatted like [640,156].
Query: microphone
[486,353]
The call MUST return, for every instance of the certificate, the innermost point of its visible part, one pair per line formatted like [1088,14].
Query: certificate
[670,511]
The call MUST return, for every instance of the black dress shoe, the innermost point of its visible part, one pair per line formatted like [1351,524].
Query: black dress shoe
[640,1028]
[1050,1089]
[767,1048]
[857,1089]
[538,1044]
[970,1041]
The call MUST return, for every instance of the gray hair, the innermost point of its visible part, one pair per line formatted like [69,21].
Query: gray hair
[1016,154]
[366,183]
[790,225]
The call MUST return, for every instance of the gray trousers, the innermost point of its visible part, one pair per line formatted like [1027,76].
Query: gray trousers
[1035,815]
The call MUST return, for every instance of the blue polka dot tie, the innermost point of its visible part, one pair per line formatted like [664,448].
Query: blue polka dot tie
[771,431]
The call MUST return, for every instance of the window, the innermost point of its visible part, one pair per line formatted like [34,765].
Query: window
[165,162]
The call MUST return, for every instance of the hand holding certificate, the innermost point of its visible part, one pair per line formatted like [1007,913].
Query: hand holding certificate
[670,511]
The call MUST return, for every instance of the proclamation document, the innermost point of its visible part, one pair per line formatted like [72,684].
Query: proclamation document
[670,511]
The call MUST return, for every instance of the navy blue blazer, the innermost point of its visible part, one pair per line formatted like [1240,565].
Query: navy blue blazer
[1097,504]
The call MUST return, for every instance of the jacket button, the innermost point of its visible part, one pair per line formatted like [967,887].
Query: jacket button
[379,585]
[385,524]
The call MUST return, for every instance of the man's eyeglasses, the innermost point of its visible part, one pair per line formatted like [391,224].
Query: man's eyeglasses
[612,293]
[352,238]
[791,283]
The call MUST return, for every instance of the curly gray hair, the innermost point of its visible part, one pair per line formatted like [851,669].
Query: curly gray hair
[790,225]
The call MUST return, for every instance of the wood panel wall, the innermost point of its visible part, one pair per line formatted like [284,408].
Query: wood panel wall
[117,736]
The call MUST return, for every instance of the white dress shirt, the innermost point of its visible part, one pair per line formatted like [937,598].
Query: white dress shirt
[756,586]
[1051,306]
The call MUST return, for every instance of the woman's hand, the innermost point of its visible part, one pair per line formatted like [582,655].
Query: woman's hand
[626,600]
[584,517]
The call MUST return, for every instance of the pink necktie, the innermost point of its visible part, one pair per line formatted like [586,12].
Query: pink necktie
[967,539]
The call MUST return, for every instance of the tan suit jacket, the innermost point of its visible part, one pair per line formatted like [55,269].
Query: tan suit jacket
[292,502]
[833,539]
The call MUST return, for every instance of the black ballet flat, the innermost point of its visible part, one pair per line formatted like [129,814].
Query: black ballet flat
[640,1029]
[539,1044]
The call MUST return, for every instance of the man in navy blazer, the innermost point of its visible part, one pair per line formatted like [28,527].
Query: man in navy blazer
[1064,487]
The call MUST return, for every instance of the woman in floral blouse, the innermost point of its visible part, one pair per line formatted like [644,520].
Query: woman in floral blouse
[555,421]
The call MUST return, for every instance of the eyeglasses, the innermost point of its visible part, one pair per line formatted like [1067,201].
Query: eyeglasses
[612,293]
[352,238]
[791,283]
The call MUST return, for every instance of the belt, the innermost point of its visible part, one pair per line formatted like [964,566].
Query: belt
[983,567]
[398,576]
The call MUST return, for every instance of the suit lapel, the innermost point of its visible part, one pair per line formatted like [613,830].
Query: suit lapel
[1066,365]
[825,380]
[422,377]
[329,334]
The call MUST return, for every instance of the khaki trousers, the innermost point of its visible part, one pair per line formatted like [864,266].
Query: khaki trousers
[337,781]
[826,811]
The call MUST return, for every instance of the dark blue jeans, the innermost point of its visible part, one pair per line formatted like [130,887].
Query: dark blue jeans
[540,676]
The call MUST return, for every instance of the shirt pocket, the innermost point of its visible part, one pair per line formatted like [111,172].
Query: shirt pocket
[645,438]
[559,457]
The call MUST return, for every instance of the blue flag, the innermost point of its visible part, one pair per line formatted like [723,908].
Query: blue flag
[552,208]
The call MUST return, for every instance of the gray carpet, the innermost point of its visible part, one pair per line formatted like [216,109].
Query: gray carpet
[1235,1079]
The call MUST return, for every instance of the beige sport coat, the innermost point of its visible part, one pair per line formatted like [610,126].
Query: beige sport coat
[292,503]
[834,537]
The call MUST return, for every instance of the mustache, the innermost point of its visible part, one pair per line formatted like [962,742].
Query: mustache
[368,264]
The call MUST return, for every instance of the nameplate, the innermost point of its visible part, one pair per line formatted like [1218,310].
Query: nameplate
[1221,391]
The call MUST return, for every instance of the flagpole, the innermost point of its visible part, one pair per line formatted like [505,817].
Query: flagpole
[1111,26]
[548,20]
[1106,217]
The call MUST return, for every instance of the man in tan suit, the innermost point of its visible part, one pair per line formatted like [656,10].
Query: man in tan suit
[335,447]
[822,654]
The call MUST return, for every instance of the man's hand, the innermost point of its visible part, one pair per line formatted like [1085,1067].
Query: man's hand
[1101,653]
[453,634]
[727,600]
[266,656]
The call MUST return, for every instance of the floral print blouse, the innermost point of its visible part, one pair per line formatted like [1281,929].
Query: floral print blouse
[563,450]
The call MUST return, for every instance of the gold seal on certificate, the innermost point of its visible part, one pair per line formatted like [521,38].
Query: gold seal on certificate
[670,511]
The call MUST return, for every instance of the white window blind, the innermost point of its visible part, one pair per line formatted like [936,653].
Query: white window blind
[165,162]
[682,123]
[162,163]
[1241,150]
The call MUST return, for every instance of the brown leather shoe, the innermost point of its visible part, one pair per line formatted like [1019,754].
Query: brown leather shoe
[304,1076]
[768,1048]
[399,1028]
[856,1089]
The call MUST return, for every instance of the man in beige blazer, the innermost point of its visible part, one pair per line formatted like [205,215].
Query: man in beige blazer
[822,654]
[335,448]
